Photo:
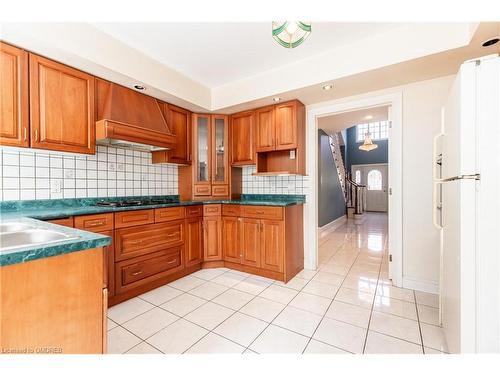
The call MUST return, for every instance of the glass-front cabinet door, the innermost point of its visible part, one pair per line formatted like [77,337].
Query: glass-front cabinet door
[202,130]
[220,149]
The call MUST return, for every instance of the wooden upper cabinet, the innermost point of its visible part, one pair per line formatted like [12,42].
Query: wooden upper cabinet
[220,150]
[286,125]
[14,106]
[242,138]
[179,121]
[265,129]
[61,107]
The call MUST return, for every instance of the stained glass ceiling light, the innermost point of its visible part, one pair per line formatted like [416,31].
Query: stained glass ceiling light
[291,34]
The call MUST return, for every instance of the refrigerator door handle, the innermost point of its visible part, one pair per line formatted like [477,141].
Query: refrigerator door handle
[435,205]
[476,176]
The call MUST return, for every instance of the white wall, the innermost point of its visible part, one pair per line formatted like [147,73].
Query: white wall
[421,118]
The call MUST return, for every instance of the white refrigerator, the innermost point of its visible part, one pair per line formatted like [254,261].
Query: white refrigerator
[466,196]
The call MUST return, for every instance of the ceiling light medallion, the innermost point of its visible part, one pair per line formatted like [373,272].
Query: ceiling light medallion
[291,34]
[368,145]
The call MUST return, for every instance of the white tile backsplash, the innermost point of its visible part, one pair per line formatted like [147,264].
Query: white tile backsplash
[65,175]
[293,184]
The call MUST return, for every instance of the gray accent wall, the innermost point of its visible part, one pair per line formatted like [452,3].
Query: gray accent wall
[356,156]
[331,203]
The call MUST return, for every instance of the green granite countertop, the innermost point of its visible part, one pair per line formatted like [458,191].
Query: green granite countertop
[52,209]
[33,211]
[80,240]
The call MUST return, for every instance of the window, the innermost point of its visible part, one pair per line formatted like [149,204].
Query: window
[357,178]
[374,180]
[378,130]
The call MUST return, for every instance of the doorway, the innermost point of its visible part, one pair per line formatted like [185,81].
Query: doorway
[315,114]
[374,177]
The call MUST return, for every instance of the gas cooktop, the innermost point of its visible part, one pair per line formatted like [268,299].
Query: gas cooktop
[135,202]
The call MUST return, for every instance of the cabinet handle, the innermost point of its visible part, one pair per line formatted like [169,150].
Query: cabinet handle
[136,242]
[36,135]
[136,273]
[25,134]
[172,234]
[172,261]
[95,223]
[259,212]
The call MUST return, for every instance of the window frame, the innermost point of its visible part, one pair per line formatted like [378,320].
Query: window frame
[380,133]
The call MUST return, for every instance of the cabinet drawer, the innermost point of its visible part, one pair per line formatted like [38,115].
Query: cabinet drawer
[212,210]
[137,272]
[131,218]
[94,223]
[146,239]
[263,212]
[194,211]
[202,190]
[220,190]
[66,222]
[231,210]
[168,214]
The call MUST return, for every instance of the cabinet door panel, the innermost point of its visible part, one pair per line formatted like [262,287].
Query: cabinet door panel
[212,238]
[194,241]
[230,239]
[242,134]
[220,159]
[272,245]
[265,139]
[202,157]
[61,107]
[179,121]
[250,242]
[14,109]
[286,126]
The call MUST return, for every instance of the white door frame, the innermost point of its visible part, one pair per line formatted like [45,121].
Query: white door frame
[395,175]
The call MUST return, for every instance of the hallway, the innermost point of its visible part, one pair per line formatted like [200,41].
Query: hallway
[395,320]
[347,306]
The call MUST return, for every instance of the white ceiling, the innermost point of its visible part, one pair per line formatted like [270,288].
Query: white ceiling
[341,121]
[215,54]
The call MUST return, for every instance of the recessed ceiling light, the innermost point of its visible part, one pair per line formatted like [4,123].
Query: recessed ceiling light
[369,117]
[491,41]
[327,86]
[277,99]
[139,87]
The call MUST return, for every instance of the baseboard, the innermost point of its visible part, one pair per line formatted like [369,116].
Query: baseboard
[332,225]
[428,286]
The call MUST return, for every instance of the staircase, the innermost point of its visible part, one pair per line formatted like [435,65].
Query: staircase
[354,194]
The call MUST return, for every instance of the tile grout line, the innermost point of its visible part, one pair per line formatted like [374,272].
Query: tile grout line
[371,311]
[333,299]
[419,326]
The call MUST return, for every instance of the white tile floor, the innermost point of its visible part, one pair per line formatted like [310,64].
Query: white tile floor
[347,306]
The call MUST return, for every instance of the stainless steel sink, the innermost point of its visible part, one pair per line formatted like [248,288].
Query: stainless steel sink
[14,227]
[30,237]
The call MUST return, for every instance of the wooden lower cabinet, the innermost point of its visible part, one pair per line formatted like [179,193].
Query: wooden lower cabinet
[194,241]
[250,242]
[54,305]
[272,244]
[231,243]
[268,247]
[212,238]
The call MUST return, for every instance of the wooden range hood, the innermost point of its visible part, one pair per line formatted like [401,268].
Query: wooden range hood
[129,119]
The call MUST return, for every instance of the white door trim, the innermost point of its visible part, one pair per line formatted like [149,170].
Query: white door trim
[395,178]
